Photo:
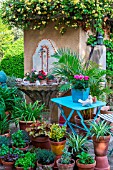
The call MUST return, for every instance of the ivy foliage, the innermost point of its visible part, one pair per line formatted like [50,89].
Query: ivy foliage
[64,13]
[13,60]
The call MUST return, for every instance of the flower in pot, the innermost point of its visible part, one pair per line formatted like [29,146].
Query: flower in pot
[39,132]
[57,138]
[18,140]
[65,162]
[45,158]
[26,162]
[27,113]
[42,77]
[31,76]
[100,133]
[85,161]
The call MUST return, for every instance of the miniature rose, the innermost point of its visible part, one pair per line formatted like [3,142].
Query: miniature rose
[86,77]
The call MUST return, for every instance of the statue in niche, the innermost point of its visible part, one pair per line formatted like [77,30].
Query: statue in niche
[42,59]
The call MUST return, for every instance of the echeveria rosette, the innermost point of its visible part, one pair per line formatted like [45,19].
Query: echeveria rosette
[80,81]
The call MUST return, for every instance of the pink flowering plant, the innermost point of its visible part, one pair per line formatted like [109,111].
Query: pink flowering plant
[80,81]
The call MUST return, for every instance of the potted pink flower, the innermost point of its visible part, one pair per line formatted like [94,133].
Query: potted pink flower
[42,77]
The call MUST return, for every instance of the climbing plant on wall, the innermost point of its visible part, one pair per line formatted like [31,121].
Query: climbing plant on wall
[36,14]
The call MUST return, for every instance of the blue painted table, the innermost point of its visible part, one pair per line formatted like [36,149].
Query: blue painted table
[67,102]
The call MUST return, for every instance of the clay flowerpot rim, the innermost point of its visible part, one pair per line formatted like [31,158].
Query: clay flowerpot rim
[22,121]
[85,165]
[101,138]
[50,165]
[69,165]
[25,148]
[7,163]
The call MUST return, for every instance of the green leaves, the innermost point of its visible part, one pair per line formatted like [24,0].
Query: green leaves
[85,158]
[102,128]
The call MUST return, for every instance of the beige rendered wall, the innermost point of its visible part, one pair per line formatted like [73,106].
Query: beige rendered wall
[74,39]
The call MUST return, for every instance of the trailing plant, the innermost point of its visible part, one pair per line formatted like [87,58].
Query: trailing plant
[28,161]
[64,14]
[57,132]
[77,143]
[85,158]
[39,128]
[102,128]
[45,157]
[66,157]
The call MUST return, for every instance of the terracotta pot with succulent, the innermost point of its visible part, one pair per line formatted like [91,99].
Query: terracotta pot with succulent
[45,158]
[26,162]
[27,113]
[100,133]
[85,161]
[18,140]
[65,162]
[51,79]
[39,132]
[42,77]
[57,138]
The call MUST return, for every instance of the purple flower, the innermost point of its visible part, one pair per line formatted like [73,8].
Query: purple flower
[76,77]
[86,77]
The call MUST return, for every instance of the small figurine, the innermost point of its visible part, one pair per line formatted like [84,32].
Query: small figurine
[87,102]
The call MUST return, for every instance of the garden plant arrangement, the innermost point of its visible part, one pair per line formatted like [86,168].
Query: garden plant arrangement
[31,76]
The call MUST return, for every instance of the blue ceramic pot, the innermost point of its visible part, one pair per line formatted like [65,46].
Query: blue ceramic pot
[80,94]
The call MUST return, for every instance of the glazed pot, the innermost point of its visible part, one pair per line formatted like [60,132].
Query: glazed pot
[7,165]
[23,125]
[101,145]
[85,166]
[57,147]
[47,166]
[41,142]
[65,166]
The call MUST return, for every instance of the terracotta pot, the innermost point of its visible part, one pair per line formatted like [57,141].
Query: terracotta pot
[43,82]
[101,145]
[7,165]
[65,166]
[85,166]
[102,163]
[47,166]
[57,147]
[23,125]
[7,134]
[22,149]
[41,142]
